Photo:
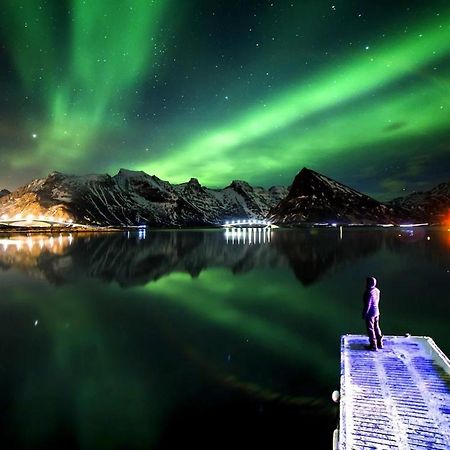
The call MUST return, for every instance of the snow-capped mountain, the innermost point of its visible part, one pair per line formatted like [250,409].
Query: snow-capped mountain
[431,206]
[315,198]
[136,198]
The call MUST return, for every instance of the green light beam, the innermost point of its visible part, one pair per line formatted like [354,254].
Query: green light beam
[360,76]
[113,47]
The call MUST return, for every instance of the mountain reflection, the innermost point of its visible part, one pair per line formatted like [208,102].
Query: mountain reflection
[137,258]
[133,368]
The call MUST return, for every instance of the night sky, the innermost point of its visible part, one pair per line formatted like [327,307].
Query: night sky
[231,89]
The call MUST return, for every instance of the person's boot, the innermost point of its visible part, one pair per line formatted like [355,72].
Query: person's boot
[380,342]
[372,347]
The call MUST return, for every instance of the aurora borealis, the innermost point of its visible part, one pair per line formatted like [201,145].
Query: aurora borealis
[222,90]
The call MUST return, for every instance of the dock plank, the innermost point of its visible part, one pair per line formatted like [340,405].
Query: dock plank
[396,398]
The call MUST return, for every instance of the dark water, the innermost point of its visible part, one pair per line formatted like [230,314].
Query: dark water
[197,338]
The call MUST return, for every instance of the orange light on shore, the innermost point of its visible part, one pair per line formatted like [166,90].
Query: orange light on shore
[447,219]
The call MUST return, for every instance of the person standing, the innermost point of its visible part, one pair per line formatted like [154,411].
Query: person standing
[371,314]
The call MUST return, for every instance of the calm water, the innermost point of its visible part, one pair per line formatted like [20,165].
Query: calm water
[169,338]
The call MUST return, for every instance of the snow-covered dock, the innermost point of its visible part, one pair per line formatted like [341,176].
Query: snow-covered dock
[394,398]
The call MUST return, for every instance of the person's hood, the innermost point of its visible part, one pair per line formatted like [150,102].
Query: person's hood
[371,282]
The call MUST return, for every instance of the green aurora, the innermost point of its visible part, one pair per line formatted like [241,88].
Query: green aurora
[93,86]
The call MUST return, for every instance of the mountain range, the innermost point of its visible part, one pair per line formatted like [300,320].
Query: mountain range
[132,198]
[136,198]
[316,198]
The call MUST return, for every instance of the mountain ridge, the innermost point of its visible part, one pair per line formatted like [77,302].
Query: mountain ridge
[314,197]
[4,192]
[137,198]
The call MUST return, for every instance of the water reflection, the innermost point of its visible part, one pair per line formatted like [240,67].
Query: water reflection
[145,256]
[36,243]
[248,235]
[140,341]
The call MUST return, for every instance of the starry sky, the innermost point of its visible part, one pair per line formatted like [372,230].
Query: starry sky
[228,89]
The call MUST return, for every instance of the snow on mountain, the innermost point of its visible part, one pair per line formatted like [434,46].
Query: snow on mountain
[136,198]
[315,198]
[431,206]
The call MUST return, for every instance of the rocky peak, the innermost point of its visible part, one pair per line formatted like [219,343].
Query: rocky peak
[239,185]
[442,189]
[314,197]
[193,182]
[126,178]
[194,185]
[126,173]
[310,183]
[54,174]
[304,183]
[4,192]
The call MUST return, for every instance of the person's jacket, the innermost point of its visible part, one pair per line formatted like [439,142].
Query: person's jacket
[371,298]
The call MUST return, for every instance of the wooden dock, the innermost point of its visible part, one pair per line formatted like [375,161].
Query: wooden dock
[394,398]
